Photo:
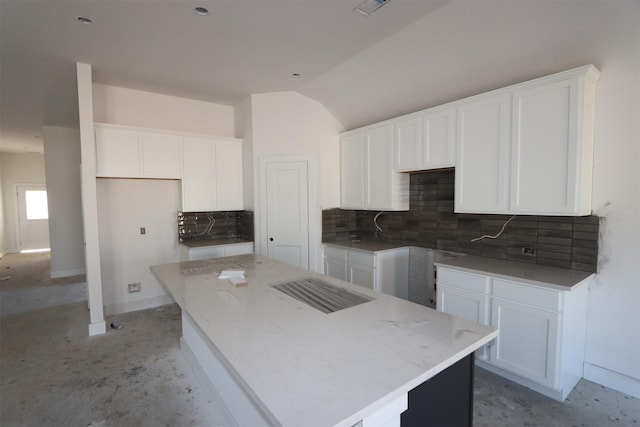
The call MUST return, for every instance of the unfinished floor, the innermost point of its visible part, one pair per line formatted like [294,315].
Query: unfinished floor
[52,374]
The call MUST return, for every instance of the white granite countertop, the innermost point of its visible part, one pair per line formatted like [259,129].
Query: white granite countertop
[217,242]
[540,275]
[365,245]
[309,368]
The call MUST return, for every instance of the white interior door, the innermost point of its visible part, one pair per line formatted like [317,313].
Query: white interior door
[33,217]
[287,205]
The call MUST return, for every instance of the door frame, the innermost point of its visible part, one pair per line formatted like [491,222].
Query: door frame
[17,232]
[315,224]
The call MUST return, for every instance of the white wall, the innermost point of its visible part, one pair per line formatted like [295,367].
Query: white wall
[117,105]
[125,205]
[287,123]
[613,328]
[3,232]
[17,168]
[156,202]
[62,168]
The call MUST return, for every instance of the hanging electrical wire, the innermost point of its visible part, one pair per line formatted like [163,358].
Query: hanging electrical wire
[486,236]
[375,221]
[209,227]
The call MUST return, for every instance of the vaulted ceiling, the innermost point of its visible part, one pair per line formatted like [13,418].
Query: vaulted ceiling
[409,55]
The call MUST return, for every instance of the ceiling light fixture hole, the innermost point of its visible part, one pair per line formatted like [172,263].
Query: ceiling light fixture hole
[201,11]
[84,20]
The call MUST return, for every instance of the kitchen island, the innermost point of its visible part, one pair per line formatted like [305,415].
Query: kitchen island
[276,360]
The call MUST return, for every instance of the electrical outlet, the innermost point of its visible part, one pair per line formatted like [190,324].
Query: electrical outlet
[527,250]
[134,287]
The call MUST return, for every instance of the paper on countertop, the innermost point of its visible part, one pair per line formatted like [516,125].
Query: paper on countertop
[235,276]
[230,274]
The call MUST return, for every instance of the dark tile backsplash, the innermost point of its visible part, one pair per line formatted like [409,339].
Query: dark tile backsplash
[568,242]
[215,225]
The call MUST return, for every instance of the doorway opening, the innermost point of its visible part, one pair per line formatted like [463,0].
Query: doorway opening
[33,218]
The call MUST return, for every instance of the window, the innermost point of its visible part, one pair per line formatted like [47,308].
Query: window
[36,201]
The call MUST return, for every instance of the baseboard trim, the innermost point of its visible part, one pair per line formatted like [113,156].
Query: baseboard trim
[97,328]
[613,380]
[59,274]
[549,392]
[141,304]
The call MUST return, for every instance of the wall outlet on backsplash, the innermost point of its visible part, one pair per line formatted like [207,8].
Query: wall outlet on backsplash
[527,250]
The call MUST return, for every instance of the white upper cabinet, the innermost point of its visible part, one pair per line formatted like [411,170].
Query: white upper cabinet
[210,167]
[160,155]
[199,177]
[552,145]
[229,182]
[425,141]
[352,171]
[123,152]
[117,153]
[482,164]
[367,177]
[212,174]
[528,148]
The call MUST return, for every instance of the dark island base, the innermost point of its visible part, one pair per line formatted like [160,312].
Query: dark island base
[445,400]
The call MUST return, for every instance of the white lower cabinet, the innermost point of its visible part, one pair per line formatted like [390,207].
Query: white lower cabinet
[527,341]
[188,253]
[541,330]
[385,271]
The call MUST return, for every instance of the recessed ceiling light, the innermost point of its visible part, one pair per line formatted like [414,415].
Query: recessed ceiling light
[201,11]
[84,20]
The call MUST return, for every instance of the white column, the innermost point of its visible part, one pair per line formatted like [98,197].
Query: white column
[89,200]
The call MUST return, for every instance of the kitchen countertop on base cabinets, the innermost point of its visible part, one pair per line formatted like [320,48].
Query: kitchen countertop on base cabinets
[216,242]
[365,245]
[561,279]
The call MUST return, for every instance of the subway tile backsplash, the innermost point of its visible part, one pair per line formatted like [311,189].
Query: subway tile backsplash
[568,242]
[215,225]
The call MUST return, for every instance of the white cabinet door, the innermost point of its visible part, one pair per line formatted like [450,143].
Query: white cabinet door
[117,153]
[438,144]
[468,305]
[161,156]
[228,171]
[545,158]
[407,150]
[335,268]
[379,167]
[352,171]
[362,275]
[335,262]
[482,155]
[198,176]
[425,141]
[527,341]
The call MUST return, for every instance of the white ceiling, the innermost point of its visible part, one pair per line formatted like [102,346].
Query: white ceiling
[242,47]
[410,55]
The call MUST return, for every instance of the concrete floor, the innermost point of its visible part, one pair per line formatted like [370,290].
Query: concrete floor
[52,374]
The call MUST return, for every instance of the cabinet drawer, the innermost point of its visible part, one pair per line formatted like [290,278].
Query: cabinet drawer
[462,280]
[335,253]
[547,299]
[360,258]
